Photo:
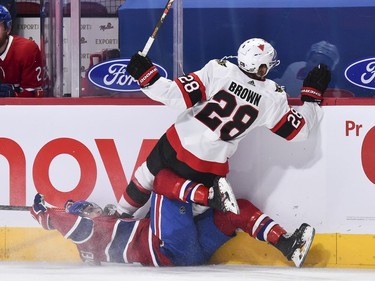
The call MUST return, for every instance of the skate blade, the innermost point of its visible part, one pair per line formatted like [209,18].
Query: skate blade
[300,254]
[230,202]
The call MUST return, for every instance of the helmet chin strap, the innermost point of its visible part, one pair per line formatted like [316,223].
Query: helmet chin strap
[262,78]
[254,76]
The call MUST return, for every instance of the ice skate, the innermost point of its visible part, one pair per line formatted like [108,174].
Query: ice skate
[295,247]
[221,197]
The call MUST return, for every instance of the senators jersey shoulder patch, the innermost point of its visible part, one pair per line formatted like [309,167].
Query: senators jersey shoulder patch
[222,62]
[279,88]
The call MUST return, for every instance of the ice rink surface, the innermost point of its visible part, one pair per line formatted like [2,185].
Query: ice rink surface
[28,271]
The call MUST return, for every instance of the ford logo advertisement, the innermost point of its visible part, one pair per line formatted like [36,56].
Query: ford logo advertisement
[362,73]
[112,75]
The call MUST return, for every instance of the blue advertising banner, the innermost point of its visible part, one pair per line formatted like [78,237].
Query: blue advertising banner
[338,33]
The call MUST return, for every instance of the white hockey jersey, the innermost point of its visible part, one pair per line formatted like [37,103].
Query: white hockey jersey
[222,105]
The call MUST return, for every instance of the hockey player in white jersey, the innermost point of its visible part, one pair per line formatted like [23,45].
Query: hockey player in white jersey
[221,103]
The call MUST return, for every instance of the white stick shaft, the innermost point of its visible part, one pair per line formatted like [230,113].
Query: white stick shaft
[147,46]
[14,208]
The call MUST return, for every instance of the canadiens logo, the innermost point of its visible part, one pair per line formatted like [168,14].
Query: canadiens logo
[112,75]
[362,73]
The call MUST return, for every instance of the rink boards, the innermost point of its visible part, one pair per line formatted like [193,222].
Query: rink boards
[327,181]
[328,250]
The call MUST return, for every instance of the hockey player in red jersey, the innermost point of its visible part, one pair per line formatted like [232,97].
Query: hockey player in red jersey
[21,71]
[222,103]
[172,235]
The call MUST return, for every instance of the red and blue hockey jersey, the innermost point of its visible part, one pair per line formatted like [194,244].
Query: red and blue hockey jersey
[106,238]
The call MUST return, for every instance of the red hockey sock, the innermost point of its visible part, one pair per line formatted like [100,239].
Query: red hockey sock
[250,220]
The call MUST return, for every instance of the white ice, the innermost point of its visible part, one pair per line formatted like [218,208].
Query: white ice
[43,271]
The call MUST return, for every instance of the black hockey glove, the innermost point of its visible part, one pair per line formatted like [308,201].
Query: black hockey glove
[39,203]
[315,84]
[142,69]
[7,90]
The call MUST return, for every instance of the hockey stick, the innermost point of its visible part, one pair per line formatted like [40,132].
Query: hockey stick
[151,39]
[14,208]
[22,208]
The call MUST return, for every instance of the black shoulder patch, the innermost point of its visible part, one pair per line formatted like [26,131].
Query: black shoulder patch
[222,62]
[279,88]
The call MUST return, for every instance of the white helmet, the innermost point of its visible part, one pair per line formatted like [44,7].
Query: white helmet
[254,52]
